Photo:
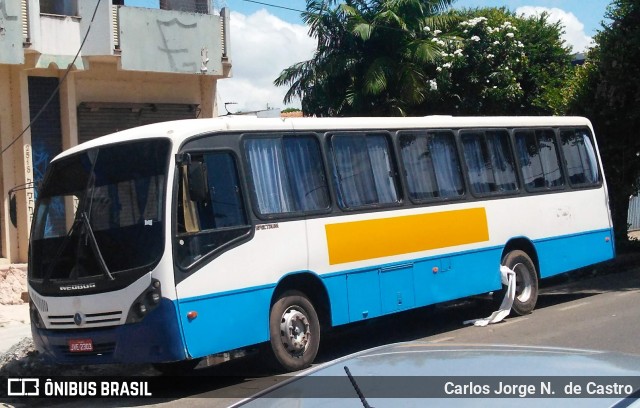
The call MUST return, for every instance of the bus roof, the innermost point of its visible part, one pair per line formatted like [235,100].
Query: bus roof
[179,131]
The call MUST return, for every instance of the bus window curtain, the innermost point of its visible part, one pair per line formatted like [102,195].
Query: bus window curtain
[446,165]
[501,160]
[308,184]
[480,172]
[549,159]
[381,169]
[357,186]
[418,163]
[269,176]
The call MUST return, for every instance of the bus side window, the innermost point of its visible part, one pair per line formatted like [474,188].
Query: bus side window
[431,165]
[363,170]
[489,161]
[580,157]
[539,161]
[288,174]
[206,224]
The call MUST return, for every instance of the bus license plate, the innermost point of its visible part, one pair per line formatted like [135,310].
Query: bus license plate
[80,345]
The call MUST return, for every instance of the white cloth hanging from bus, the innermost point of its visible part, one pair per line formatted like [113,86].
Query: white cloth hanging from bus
[508,277]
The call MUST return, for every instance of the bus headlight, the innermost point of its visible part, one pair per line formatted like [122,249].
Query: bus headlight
[145,303]
[36,319]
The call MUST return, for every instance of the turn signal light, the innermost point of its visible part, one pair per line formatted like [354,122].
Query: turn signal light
[192,315]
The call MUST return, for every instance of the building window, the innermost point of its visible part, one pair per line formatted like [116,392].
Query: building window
[59,7]
[190,6]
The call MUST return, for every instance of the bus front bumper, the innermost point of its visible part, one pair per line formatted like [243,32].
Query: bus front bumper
[156,339]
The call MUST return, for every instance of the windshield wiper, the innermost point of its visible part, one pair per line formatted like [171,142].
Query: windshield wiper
[61,249]
[94,245]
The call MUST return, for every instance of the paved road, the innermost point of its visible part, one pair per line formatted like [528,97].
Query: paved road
[594,313]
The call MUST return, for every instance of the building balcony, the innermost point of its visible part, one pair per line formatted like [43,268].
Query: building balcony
[182,36]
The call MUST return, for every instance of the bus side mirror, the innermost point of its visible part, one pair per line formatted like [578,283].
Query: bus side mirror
[198,184]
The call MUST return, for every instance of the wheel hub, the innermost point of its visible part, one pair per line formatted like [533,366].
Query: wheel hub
[523,282]
[294,331]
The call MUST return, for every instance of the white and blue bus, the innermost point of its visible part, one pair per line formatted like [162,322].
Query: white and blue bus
[175,241]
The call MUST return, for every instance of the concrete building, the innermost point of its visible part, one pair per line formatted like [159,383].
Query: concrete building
[136,66]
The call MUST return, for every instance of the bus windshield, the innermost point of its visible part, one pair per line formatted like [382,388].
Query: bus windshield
[100,214]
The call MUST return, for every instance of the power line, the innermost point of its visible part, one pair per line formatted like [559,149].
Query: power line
[309,13]
[55,91]
[275,6]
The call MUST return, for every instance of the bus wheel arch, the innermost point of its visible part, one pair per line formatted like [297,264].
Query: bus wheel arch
[521,257]
[299,310]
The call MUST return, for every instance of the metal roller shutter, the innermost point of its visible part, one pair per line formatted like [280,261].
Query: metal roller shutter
[97,119]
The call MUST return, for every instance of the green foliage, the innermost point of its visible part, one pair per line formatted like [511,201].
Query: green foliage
[401,57]
[369,59]
[607,91]
[500,64]
[289,110]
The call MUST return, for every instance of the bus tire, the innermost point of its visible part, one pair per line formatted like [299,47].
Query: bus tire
[294,330]
[526,282]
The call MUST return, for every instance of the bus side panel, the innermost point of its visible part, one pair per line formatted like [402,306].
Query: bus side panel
[226,321]
[457,275]
[565,253]
[338,298]
[392,287]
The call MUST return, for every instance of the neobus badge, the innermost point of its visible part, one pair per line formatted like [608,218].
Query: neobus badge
[79,287]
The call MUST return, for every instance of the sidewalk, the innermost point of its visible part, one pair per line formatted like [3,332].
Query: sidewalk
[14,325]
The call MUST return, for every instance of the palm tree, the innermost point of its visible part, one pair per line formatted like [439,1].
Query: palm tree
[369,58]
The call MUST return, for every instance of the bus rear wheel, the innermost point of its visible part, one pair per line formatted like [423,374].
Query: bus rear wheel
[294,331]
[526,281]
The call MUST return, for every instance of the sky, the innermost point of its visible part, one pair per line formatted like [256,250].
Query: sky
[266,39]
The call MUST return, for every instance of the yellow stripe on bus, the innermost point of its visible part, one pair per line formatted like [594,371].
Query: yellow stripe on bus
[361,240]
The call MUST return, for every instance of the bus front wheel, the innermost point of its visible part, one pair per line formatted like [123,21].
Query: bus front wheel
[526,281]
[294,331]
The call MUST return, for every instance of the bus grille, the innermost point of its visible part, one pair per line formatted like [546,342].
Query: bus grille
[90,320]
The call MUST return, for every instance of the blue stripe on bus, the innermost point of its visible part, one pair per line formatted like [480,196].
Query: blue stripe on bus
[239,318]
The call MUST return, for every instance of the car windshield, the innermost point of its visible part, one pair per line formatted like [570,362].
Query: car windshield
[100,212]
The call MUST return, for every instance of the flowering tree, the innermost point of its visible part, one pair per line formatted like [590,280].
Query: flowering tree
[413,57]
[492,66]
